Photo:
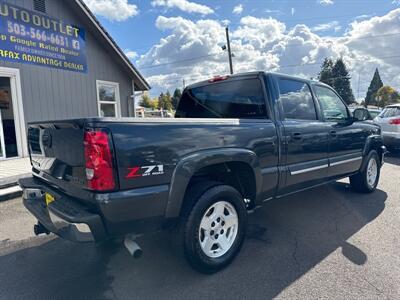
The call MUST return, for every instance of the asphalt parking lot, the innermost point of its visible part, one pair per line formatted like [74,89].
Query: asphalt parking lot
[328,242]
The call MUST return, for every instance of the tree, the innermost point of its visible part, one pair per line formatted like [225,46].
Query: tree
[341,81]
[165,101]
[154,103]
[176,97]
[387,95]
[375,85]
[325,75]
[146,102]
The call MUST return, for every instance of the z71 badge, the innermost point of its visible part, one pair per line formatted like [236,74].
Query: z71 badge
[145,171]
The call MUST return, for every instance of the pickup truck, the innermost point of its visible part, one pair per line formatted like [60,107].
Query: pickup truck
[235,142]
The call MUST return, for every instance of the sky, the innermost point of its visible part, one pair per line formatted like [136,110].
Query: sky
[173,42]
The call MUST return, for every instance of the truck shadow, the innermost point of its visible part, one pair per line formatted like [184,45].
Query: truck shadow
[393,158]
[285,239]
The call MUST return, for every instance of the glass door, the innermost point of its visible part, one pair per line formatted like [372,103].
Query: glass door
[2,144]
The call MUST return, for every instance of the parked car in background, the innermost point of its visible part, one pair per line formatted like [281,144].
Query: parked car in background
[389,120]
[365,114]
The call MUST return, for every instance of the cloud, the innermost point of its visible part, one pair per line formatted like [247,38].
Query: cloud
[292,11]
[191,50]
[327,26]
[238,9]
[113,10]
[325,2]
[184,5]
[130,54]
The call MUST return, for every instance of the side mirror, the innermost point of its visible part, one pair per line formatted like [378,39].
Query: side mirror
[360,114]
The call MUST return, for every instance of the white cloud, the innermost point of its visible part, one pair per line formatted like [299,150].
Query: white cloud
[130,54]
[238,9]
[191,50]
[113,10]
[325,2]
[184,5]
[334,25]
[292,11]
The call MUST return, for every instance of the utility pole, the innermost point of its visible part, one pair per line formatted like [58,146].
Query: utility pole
[228,43]
[358,87]
[183,83]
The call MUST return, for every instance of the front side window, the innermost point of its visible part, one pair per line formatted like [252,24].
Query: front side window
[333,108]
[296,99]
[231,99]
[108,99]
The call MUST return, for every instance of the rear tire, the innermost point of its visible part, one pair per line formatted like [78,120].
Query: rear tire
[367,179]
[214,226]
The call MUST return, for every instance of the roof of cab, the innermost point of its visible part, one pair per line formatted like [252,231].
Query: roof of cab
[252,75]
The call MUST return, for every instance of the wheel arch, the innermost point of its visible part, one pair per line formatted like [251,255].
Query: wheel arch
[374,142]
[192,163]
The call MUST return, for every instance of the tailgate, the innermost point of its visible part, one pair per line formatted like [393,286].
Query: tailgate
[57,151]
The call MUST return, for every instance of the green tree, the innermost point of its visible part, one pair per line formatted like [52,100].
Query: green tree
[375,85]
[154,103]
[325,75]
[341,81]
[176,97]
[165,101]
[146,101]
[387,95]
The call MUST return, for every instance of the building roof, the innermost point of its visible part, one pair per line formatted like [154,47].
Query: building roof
[140,82]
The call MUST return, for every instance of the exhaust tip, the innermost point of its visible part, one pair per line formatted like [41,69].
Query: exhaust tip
[39,229]
[132,247]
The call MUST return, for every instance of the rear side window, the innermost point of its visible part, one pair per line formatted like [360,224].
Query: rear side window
[230,99]
[296,99]
[389,112]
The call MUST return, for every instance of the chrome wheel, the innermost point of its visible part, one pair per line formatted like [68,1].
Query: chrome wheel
[218,229]
[372,172]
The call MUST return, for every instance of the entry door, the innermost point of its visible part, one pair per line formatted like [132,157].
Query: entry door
[305,136]
[346,139]
[2,144]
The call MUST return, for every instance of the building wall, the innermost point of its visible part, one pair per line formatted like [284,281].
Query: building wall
[52,94]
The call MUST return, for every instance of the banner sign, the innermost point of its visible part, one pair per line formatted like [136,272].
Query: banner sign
[33,38]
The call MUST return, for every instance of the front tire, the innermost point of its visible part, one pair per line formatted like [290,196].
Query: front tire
[367,179]
[214,227]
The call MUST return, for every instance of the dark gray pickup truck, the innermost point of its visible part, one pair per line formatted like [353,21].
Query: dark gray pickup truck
[236,142]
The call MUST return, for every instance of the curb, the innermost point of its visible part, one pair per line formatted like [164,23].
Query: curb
[9,193]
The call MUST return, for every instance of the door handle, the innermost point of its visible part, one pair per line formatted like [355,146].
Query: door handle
[297,136]
[333,133]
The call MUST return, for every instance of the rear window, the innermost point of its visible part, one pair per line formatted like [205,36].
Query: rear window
[231,99]
[389,112]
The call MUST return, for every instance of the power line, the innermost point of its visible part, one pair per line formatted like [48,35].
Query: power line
[179,61]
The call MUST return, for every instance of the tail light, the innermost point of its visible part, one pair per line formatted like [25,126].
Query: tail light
[99,161]
[394,122]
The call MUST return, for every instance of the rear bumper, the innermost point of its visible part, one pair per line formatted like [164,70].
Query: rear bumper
[65,216]
[111,214]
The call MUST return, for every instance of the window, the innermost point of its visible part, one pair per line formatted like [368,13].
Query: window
[296,99]
[108,99]
[39,5]
[333,108]
[389,112]
[231,99]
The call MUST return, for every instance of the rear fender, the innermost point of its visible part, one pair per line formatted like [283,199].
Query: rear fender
[188,166]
